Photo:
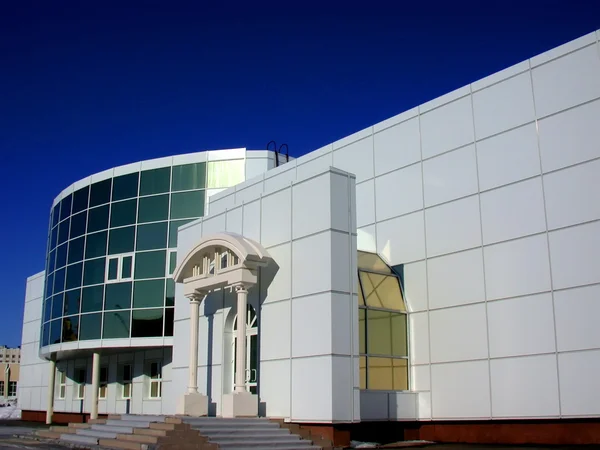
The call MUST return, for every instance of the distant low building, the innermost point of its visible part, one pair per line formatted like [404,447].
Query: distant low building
[10,359]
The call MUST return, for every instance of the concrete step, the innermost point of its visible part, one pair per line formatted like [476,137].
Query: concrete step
[140,438]
[48,434]
[269,446]
[113,429]
[230,431]
[92,421]
[79,425]
[290,439]
[143,418]
[128,423]
[115,443]
[230,423]
[97,434]
[150,432]
[63,429]
[78,439]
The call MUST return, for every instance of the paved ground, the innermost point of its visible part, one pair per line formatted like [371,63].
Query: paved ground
[10,428]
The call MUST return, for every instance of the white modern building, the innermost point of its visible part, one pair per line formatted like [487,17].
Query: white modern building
[434,275]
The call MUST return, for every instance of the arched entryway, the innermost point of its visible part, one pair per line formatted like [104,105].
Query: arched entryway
[251,350]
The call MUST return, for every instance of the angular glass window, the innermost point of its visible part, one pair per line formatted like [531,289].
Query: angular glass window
[173,227]
[47,309]
[45,334]
[52,261]
[61,256]
[152,236]
[382,291]
[70,329]
[57,306]
[169,319]
[149,293]
[55,331]
[187,204]
[59,281]
[80,199]
[120,268]
[386,333]
[125,186]
[56,214]
[49,285]
[172,261]
[121,240]
[78,225]
[155,181]
[76,250]
[95,245]
[170,294]
[65,207]
[117,296]
[221,174]
[153,209]
[93,271]
[371,262]
[90,326]
[100,193]
[74,276]
[150,264]
[123,213]
[116,324]
[387,374]
[92,299]
[97,219]
[147,323]
[189,176]
[54,237]
[63,231]
[362,347]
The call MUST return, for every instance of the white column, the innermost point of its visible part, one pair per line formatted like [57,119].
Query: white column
[50,406]
[95,384]
[240,372]
[194,321]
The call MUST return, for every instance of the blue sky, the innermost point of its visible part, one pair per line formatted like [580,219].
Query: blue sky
[85,86]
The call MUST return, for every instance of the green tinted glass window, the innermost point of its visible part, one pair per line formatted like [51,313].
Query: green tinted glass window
[90,326]
[59,281]
[74,276]
[95,245]
[70,329]
[155,181]
[80,199]
[147,294]
[189,176]
[172,262]
[170,295]
[61,256]
[117,296]
[151,236]
[93,271]
[113,266]
[125,186]
[123,213]
[100,193]
[150,264]
[65,207]
[126,266]
[173,226]
[76,250]
[63,231]
[78,225]
[187,204]
[147,323]
[116,324]
[97,219]
[92,299]
[72,299]
[57,306]
[55,331]
[169,319]
[222,174]
[153,209]
[121,240]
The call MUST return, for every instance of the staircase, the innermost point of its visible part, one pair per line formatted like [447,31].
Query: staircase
[141,432]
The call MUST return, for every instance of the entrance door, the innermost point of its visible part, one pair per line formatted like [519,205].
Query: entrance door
[251,350]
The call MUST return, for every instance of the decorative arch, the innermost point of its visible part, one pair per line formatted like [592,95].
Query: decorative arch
[219,260]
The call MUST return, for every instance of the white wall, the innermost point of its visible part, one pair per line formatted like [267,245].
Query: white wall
[308,314]
[34,372]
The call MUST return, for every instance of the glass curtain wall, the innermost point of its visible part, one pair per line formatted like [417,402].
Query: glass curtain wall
[111,251]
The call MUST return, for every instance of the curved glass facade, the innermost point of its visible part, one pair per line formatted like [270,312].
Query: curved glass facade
[111,251]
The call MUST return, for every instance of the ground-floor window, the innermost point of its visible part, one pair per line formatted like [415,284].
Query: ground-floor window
[383,328]
[1,388]
[103,382]
[126,379]
[155,373]
[12,388]
[62,384]
[79,378]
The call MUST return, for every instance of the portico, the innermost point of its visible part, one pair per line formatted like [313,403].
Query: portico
[220,261]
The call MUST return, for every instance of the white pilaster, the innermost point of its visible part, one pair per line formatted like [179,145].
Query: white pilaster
[50,407]
[240,372]
[95,384]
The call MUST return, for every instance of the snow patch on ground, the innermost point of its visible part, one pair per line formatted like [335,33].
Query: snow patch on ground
[9,410]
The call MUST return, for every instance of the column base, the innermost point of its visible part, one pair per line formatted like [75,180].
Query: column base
[239,404]
[193,404]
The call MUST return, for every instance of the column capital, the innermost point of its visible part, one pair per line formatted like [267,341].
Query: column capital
[242,287]
[195,297]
